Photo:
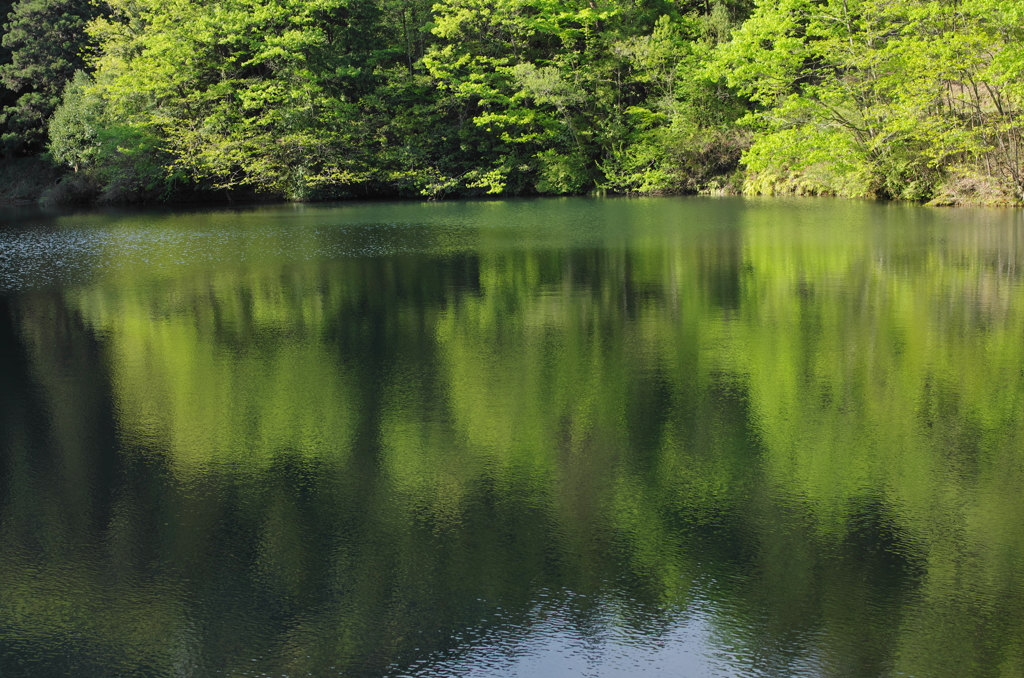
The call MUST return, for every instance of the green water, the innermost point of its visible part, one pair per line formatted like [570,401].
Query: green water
[678,436]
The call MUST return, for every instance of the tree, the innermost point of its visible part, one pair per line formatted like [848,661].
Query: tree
[245,92]
[575,96]
[7,97]
[47,43]
[312,99]
[902,99]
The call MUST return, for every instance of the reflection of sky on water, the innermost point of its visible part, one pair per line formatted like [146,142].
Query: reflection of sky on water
[553,646]
[552,649]
[551,643]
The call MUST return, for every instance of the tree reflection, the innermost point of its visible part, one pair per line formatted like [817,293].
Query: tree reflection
[812,430]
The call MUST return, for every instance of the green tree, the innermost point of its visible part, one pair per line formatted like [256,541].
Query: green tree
[580,95]
[308,100]
[76,124]
[113,162]
[7,97]
[243,93]
[47,42]
[902,99]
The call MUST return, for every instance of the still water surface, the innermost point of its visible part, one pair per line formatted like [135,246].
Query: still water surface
[678,437]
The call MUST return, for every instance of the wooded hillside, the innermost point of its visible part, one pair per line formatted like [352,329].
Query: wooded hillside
[306,100]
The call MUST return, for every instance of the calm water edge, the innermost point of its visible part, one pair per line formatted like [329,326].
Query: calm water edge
[579,437]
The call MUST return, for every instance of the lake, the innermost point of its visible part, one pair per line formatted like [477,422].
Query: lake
[558,437]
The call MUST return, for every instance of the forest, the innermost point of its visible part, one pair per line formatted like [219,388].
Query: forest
[171,100]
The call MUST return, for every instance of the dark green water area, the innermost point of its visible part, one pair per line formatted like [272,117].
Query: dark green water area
[562,437]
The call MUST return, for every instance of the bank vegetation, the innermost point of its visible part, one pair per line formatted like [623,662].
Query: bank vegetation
[162,100]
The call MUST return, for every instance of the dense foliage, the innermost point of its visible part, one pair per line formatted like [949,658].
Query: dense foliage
[45,41]
[907,99]
[327,98]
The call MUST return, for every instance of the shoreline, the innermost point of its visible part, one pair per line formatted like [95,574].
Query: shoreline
[36,181]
